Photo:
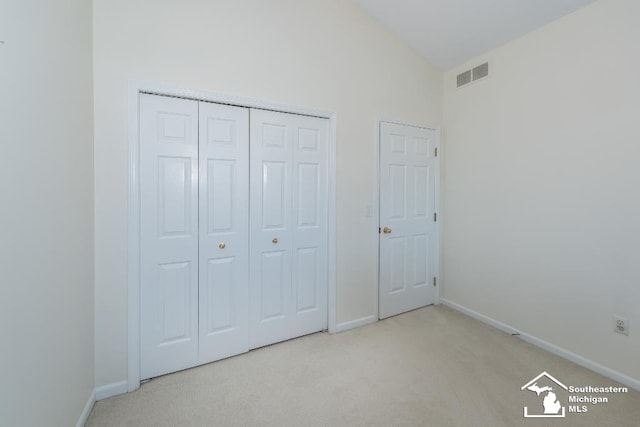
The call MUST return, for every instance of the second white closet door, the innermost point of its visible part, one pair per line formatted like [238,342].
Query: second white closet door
[288,225]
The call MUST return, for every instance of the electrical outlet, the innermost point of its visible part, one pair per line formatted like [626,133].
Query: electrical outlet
[621,325]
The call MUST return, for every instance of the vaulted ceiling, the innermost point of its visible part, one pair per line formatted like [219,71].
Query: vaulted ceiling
[450,32]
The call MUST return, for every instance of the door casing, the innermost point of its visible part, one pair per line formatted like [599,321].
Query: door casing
[136,88]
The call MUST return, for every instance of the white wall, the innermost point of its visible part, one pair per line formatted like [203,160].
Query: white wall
[320,54]
[46,188]
[542,207]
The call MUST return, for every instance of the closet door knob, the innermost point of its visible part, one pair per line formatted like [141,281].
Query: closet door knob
[275,240]
[222,245]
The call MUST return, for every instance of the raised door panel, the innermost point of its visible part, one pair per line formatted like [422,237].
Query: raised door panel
[308,204]
[421,269]
[221,301]
[174,201]
[421,192]
[273,282]
[168,234]
[224,237]
[274,204]
[398,191]
[397,262]
[308,280]
[221,191]
[174,300]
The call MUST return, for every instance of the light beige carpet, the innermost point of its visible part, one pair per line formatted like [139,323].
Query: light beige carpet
[429,367]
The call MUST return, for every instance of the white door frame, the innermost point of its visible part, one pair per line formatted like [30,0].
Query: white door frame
[137,87]
[438,242]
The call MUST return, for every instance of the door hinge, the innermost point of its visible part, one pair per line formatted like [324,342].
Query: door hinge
[435,217]
[436,152]
[434,281]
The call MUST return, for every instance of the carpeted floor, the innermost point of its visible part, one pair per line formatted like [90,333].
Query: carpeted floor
[429,367]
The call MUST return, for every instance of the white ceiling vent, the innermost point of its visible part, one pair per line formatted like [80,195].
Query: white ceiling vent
[476,73]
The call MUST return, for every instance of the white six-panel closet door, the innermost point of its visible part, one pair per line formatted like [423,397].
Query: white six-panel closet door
[168,234]
[288,250]
[206,198]
[224,231]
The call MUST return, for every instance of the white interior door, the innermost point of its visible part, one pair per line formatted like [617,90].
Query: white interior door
[288,279]
[407,215]
[224,231]
[168,234]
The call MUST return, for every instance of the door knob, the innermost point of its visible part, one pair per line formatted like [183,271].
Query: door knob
[386,230]
[275,240]
[222,245]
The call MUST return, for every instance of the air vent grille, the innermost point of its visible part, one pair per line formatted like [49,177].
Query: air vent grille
[464,78]
[481,71]
[476,73]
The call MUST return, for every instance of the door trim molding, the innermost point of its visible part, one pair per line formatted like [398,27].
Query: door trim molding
[137,87]
[438,198]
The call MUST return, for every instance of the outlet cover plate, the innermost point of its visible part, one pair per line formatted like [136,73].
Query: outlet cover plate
[621,325]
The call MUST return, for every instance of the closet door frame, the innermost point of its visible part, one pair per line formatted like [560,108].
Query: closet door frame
[136,88]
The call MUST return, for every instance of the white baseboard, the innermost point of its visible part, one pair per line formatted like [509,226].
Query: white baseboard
[345,326]
[481,317]
[110,390]
[552,348]
[84,416]
[582,361]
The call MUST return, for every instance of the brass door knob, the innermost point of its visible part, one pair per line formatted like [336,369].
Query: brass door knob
[222,245]
[386,230]
[275,240]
